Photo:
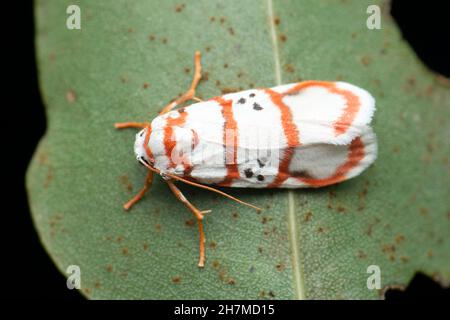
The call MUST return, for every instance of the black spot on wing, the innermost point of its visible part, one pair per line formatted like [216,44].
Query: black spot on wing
[248,173]
[260,177]
[257,107]
[251,95]
[241,101]
[260,163]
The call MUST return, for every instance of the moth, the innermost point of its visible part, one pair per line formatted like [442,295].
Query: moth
[306,134]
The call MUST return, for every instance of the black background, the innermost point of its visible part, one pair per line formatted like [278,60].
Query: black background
[30,272]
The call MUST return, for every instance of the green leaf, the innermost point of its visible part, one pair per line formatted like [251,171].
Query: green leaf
[131,57]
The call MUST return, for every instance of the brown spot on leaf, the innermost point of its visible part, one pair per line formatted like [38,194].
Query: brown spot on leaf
[151,37]
[179,7]
[283,37]
[54,221]
[423,211]
[42,158]
[362,196]
[280,266]
[124,79]
[265,219]
[71,97]
[231,281]
[86,290]
[213,245]
[371,225]
[229,90]
[361,254]
[158,227]
[404,259]
[366,60]
[321,229]
[145,85]
[442,80]
[231,31]
[399,238]
[49,176]
[396,149]
[189,222]
[124,180]
[289,68]
[411,81]
[388,248]
[277,21]
[307,216]
[331,196]
[176,279]
[125,251]
[97,284]
[109,268]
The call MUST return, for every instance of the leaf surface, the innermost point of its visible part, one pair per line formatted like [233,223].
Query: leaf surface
[131,57]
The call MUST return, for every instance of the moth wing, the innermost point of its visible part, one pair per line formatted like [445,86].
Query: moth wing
[328,112]
[322,164]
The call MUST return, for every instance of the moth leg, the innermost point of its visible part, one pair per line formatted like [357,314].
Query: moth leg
[198,215]
[136,198]
[189,94]
[123,125]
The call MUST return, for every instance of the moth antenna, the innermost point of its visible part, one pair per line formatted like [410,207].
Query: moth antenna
[201,186]
[123,125]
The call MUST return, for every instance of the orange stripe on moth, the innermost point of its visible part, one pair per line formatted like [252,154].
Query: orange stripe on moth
[291,133]
[355,155]
[170,141]
[230,141]
[146,140]
[342,124]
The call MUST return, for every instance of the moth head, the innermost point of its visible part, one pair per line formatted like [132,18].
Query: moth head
[139,147]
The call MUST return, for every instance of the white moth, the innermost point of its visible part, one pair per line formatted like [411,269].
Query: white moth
[306,134]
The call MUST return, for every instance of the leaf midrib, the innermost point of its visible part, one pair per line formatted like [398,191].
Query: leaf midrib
[299,289]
